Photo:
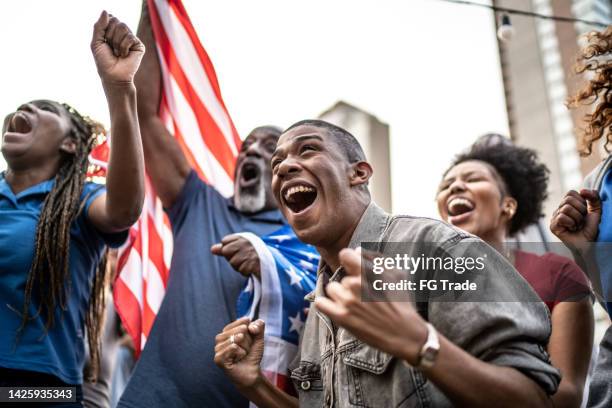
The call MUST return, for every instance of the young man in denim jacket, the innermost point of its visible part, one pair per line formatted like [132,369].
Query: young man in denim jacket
[355,353]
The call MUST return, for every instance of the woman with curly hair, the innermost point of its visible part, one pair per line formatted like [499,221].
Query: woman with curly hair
[54,225]
[495,190]
[583,220]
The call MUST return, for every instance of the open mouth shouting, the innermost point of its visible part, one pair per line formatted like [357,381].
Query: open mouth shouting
[250,173]
[298,196]
[459,210]
[18,125]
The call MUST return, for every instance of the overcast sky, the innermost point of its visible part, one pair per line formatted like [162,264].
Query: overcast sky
[428,68]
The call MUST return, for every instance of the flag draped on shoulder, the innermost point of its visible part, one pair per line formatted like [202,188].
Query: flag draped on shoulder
[288,270]
[194,112]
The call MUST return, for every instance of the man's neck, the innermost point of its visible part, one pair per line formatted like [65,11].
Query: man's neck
[331,253]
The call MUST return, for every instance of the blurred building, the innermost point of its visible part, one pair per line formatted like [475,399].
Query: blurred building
[537,69]
[373,135]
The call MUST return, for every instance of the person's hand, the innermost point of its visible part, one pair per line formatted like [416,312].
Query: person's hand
[576,221]
[393,327]
[116,50]
[240,359]
[240,254]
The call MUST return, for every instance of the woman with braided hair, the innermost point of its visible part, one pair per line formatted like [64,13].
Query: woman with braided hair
[55,226]
[583,220]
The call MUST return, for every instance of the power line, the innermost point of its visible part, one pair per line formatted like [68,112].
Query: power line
[529,13]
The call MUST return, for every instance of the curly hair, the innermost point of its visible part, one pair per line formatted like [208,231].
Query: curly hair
[523,176]
[594,60]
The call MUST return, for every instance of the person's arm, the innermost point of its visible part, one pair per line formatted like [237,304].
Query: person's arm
[165,161]
[576,223]
[240,359]
[117,53]
[570,348]
[396,328]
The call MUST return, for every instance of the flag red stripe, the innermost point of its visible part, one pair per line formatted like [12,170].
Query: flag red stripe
[156,250]
[183,17]
[163,106]
[148,316]
[128,309]
[209,130]
[139,319]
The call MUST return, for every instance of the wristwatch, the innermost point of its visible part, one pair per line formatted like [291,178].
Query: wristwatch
[429,351]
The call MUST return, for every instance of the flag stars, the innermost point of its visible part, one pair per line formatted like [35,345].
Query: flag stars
[280,238]
[296,324]
[310,255]
[295,278]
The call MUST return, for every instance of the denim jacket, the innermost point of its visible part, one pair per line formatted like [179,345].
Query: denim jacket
[334,369]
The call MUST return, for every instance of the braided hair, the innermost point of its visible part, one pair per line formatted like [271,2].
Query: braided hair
[49,274]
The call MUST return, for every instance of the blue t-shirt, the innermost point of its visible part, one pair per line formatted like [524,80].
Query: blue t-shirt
[176,367]
[604,249]
[60,352]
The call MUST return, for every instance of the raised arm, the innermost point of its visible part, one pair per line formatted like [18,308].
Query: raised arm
[117,53]
[165,162]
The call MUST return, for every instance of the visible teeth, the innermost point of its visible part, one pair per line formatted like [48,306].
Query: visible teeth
[298,189]
[460,201]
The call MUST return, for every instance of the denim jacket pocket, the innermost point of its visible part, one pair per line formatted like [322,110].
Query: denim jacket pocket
[307,382]
[377,379]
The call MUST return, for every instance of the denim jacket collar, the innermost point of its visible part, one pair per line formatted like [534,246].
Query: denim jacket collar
[372,224]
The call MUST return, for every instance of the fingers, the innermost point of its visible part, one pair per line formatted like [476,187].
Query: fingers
[231,238]
[571,212]
[99,28]
[229,355]
[576,215]
[229,245]
[238,335]
[117,35]
[231,248]
[592,199]
[216,249]
[351,260]
[566,222]
[242,320]
[575,200]
[338,293]
[333,310]
[257,328]
[127,43]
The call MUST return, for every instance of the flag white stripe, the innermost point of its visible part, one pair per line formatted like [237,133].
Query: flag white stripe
[185,119]
[192,67]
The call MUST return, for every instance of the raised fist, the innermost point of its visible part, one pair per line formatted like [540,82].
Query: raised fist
[576,221]
[239,349]
[240,253]
[116,50]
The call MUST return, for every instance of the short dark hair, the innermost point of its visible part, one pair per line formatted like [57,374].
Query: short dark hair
[525,178]
[345,140]
[269,129]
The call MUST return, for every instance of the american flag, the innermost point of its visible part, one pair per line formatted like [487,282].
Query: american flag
[195,114]
[288,273]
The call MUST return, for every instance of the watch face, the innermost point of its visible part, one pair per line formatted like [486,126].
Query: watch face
[429,355]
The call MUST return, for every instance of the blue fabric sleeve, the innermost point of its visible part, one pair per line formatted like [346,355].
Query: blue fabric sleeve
[188,198]
[91,191]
